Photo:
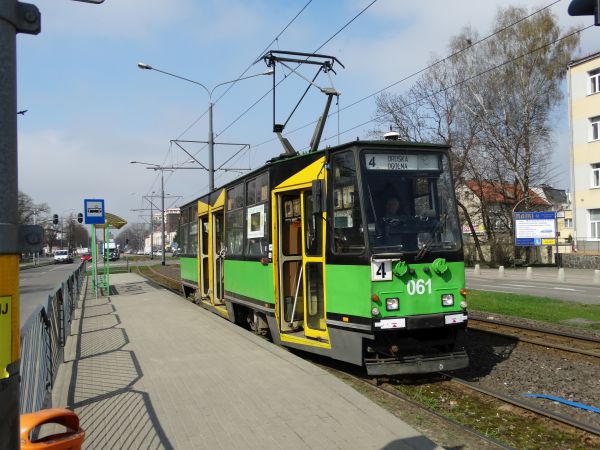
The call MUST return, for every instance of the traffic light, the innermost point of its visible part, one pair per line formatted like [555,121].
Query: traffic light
[586,8]
[55,219]
[80,217]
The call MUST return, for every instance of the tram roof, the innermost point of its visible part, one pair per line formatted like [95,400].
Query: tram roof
[371,143]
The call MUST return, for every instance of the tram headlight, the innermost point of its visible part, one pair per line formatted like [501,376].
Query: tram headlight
[463,305]
[375,311]
[392,304]
[447,299]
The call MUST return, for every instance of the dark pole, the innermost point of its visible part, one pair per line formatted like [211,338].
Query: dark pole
[15,18]
[211,149]
[162,217]
[151,230]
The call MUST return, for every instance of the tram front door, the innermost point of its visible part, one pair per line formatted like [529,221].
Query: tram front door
[300,265]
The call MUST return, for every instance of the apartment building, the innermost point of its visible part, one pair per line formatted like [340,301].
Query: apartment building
[583,78]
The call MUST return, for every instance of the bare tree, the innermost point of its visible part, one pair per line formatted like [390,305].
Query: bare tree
[28,210]
[493,103]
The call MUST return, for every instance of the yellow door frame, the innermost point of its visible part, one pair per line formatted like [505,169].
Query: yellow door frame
[310,334]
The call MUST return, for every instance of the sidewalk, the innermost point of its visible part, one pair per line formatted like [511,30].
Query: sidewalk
[146,369]
[549,274]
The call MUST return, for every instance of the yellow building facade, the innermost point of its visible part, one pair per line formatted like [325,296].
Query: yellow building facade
[583,78]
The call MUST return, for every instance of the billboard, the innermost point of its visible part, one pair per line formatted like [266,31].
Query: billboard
[535,228]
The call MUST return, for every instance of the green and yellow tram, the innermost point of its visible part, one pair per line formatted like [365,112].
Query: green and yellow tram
[353,252]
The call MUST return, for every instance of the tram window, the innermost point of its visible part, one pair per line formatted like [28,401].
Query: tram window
[235,232]
[312,227]
[184,229]
[234,221]
[257,212]
[192,240]
[235,197]
[257,189]
[348,235]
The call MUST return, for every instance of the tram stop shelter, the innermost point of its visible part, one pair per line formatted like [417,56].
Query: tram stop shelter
[103,282]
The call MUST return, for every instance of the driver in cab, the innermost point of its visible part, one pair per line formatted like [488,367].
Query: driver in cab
[394,228]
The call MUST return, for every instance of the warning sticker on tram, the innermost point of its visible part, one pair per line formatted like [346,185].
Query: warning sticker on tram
[5,335]
[388,161]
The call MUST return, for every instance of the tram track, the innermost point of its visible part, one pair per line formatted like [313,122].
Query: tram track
[523,404]
[565,341]
[477,390]
[389,389]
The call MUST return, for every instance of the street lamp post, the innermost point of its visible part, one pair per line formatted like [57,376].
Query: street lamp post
[211,141]
[162,196]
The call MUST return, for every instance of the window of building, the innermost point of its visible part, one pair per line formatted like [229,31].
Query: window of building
[234,220]
[595,223]
[257,212]
[595,131]
[568,223]
[594,81]
[596,175]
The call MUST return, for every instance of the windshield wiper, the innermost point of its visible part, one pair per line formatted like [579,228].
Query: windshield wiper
[428,244]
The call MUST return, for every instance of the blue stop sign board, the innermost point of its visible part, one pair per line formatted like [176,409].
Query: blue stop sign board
[93,211]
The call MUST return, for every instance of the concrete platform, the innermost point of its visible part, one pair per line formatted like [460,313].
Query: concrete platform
[147,369]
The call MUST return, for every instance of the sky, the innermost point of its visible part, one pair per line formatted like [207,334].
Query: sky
[91,110]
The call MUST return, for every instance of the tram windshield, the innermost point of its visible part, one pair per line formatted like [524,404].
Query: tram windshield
[409,202]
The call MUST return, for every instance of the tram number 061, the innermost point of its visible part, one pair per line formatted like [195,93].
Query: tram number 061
[418,287]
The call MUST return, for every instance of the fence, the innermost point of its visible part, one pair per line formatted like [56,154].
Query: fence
[588,246]
[43,338]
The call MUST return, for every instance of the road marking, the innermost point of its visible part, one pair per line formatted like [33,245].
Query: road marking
[522,285]
[565,289]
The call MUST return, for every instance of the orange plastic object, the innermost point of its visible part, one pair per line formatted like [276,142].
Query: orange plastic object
[69,440]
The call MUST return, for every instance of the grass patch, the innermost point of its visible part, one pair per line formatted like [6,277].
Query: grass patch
[496,420]
[531,307]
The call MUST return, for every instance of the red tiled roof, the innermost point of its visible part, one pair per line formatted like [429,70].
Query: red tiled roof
[496,192]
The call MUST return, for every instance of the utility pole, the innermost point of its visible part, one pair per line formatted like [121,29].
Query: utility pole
[15,17]
[162,217]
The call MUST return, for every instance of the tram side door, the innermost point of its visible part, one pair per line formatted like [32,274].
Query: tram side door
[300,265]
[203,256]
[218,250]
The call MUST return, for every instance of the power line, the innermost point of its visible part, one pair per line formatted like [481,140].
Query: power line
[275,39]
[247,110]
[247,68]
[412,75]
[466,80]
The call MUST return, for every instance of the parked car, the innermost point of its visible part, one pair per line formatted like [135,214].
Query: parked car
[62,256]
[86,257]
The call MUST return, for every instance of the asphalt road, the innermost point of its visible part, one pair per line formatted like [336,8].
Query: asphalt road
[37,283]
[578,287]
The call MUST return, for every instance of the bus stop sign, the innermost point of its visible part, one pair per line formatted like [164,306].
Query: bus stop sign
[93,211]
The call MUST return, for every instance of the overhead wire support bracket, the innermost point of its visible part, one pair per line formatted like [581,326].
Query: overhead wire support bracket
[326,65]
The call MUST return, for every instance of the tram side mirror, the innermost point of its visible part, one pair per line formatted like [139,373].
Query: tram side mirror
[318,196]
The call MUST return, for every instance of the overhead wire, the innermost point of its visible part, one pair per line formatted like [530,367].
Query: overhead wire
[466,80]
[248,109]
[418,72]
[276,38]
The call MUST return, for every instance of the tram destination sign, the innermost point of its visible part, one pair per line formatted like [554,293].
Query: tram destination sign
[535,228]
[395,161]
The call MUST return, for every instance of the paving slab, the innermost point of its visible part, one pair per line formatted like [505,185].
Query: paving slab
[147,369]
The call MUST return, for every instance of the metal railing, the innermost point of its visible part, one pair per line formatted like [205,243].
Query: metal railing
[588,246]
[43,338]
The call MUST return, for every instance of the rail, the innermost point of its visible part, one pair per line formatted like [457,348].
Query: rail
[43,338]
